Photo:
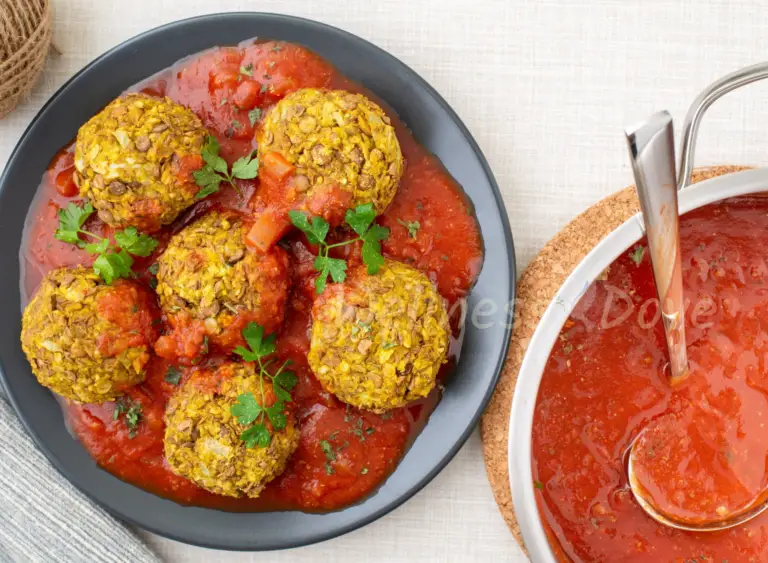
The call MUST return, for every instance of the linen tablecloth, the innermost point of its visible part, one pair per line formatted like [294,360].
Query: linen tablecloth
[546,87]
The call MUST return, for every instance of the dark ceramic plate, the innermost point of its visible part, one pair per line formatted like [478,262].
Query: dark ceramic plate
[434,125]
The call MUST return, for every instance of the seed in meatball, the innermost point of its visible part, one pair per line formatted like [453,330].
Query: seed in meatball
[203,439]
[378,341]
[134,160]
[85,340]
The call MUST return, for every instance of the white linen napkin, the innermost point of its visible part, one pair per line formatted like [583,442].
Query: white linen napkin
[43,518]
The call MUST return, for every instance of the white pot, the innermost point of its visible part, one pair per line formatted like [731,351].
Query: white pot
[540,346]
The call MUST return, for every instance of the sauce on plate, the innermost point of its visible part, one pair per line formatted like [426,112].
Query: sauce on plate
[344,453]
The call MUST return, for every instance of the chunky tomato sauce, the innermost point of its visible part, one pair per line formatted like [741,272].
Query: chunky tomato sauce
[365,447]
[705,449]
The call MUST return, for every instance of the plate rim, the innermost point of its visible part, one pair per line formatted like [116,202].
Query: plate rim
[399,499]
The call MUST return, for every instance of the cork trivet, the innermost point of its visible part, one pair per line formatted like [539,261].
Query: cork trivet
[536,288]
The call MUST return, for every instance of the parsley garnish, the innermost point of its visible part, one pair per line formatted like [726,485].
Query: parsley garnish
[216,170]
[252,411]
[254,115]
[247,70]
[637,254]
[109,264]
[412,226]
[330,453]
[538,484]
[134,242]
[327,448]
[132,412]
[360,219]
[358,430]
[173,375]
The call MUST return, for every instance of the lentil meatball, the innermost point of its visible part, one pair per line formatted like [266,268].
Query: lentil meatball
[333,136]
[134,160]
[208,272]
[377,341]
[202,437]
[86,340]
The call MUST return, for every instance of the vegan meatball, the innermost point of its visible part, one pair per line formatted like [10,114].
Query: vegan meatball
[335,137]
[208,273]
[135,159]
[203,439]
[86,340]
[378,341]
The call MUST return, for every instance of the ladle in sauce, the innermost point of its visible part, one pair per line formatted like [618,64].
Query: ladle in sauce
[652,152]
[719,498]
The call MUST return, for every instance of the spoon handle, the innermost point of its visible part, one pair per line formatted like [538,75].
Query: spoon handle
[652,152]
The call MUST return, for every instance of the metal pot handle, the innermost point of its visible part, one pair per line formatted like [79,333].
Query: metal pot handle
[692,121]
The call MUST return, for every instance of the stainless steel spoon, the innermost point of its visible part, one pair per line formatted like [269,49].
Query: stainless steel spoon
[651,147]
[652,152]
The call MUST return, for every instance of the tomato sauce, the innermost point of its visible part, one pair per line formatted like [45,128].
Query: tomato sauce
[704,448]
[344,453]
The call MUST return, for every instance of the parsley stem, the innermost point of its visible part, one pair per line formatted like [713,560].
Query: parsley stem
[261,389]
[90,234]
[343,243]
[231,181]
[280,369]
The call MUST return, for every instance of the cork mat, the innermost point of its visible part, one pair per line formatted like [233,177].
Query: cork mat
[536,288]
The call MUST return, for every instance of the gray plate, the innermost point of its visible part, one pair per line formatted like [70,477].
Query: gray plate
[434,125]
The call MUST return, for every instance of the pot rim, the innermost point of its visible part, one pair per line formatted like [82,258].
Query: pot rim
[532,368]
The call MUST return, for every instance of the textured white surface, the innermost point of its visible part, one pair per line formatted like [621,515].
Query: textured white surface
[546,87]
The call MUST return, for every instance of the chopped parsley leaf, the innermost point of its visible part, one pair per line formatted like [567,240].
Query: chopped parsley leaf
[173,375]
[412,227]
[325,445]
[254,115]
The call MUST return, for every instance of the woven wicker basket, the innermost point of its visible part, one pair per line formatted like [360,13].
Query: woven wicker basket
[25,38]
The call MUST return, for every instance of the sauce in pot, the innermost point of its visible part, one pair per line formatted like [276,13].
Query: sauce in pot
[606,381]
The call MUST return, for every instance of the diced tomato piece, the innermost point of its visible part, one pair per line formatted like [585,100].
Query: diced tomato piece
[268,228]
[276,166]
[247,95]
[65,183]
[223,78]
[188,164]
[330,202]
[165,347]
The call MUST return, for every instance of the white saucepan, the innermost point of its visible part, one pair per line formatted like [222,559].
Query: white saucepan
[614,245]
